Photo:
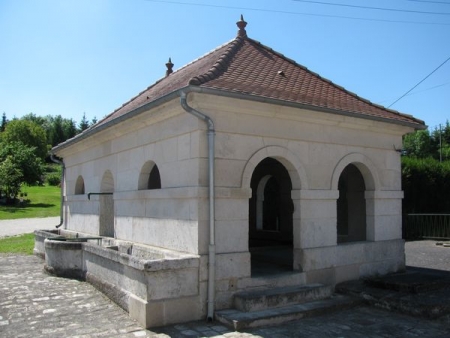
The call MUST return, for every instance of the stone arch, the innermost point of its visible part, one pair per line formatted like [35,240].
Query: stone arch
[79,186]
[364,165]
[149,177]
[353,209]
[283,155]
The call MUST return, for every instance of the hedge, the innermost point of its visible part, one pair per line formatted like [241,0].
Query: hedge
[426,183]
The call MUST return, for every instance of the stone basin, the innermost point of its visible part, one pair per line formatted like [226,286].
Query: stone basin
[156,286]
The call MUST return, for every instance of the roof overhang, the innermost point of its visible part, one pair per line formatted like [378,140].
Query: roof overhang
[241,96]
[211,91]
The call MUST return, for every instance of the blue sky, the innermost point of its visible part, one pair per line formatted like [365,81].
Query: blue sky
[91,56]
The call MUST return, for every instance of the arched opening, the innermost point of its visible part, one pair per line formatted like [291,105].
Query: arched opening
[79,186]
[106,217]
[351,206]
[270,219]
[149,178]
[154,179]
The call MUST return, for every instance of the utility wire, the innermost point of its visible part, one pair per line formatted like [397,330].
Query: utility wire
[373,8]
[432,2]
[296,13]
[426,77]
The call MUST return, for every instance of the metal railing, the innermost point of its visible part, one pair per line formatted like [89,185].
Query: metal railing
[426,225]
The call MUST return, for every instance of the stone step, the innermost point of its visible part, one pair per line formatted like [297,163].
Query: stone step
[417,292]
[240,320]
[249,301]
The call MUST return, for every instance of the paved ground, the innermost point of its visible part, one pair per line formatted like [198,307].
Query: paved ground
[34,304]
[14,227]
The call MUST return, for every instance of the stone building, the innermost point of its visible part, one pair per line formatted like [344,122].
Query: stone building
[268,173]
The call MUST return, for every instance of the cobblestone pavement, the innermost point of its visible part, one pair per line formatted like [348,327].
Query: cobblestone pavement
[34,304]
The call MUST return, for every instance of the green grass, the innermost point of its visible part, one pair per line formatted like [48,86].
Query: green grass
[22,244]
[43,202]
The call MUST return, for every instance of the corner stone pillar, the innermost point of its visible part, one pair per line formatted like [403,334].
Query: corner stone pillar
[384,215]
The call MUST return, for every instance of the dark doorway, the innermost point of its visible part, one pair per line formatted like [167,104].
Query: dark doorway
[351,206]
[270,219]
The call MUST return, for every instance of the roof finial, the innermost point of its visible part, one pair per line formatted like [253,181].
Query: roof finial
[241,25]
[169,66]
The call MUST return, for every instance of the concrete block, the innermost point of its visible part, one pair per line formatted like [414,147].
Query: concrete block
[181,310]
[231,209]
[232,236]
[233,265]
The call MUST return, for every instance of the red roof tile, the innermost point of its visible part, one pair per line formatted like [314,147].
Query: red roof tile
[245,66]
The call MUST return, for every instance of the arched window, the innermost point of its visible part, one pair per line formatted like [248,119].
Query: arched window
[154,179]
[79,186]
[149,178]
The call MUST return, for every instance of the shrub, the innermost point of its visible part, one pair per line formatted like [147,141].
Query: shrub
[426,183]
[54,179]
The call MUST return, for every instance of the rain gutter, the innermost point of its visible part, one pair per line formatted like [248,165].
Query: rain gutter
[212,246]
[63,173]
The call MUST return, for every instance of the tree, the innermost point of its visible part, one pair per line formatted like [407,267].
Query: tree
[418,144]
[28,133]
[441,141]
[84,124]
[10,178]
[24,159]
[4,123]
[69,128]
[57,131]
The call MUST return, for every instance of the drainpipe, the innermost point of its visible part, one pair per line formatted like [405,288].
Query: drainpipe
[212,246]
[54,159]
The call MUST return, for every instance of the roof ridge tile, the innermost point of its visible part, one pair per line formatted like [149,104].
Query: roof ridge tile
[220,65]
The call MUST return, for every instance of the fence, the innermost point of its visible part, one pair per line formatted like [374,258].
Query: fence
[426,225]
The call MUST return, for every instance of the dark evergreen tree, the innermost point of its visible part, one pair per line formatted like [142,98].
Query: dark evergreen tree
[57,131]
[84,124]
[70,130]
[4,122]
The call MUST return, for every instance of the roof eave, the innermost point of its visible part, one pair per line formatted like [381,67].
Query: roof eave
[243,96]
[133,113]
[190,88]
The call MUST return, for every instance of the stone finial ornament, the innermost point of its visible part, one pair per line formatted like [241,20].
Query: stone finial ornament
[169,66]
[241,25]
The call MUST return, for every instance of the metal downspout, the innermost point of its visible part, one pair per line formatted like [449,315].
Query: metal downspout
[54,159]
[212,245]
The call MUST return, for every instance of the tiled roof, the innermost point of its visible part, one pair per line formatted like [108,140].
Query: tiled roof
[245,66]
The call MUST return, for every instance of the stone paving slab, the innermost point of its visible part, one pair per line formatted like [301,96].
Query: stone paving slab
[34,304]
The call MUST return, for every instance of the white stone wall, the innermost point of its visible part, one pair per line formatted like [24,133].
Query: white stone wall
[313,146]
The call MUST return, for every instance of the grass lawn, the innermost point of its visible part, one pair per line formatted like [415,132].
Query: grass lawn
[22,244]
[44,201]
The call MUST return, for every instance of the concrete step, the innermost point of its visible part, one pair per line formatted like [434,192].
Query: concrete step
[249,301]
[415,280]
[240,320]
[417,292]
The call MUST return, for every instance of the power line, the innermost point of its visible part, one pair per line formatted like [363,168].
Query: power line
[426,77]
[381,102]
[298,13]
[432,2]
[372,8]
